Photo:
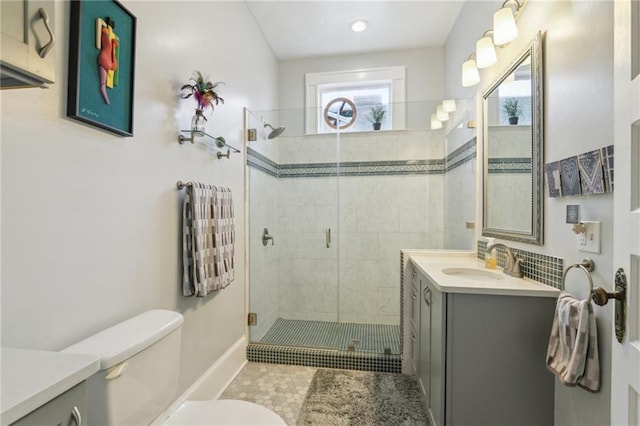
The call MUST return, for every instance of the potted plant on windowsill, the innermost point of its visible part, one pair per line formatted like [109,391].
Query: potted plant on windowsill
[513,110]
[376,115]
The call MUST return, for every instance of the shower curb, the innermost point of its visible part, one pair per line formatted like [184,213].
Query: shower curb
[324,358]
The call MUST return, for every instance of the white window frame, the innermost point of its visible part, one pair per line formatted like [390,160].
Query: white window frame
[396,74]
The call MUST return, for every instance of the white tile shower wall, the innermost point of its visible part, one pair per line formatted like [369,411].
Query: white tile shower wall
[459,206]
[369,146]
[517,215]
[372,234]
[510,142]
[263,267]
[459,183]
[307,268]
[376,217]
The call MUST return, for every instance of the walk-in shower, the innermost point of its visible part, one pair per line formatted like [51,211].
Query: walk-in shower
[340,206]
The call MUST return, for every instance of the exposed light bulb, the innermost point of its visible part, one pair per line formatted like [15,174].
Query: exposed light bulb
[435,123]
[470,74]
[504,26]
[449,105]
[359,25]
[485,52]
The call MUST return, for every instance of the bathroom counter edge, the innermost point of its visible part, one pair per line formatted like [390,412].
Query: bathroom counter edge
[431,262]
[31,378]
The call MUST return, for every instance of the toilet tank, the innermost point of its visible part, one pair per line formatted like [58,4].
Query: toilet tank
[139,365]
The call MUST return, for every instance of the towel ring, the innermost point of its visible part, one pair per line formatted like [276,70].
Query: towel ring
[587,267]
[599,295]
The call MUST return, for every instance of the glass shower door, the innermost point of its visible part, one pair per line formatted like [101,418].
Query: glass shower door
[293,194]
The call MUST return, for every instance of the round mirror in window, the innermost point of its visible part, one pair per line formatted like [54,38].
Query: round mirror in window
[340,113]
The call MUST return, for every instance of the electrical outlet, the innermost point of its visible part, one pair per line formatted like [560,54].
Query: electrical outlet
[591,236]
[252,318]
[582,239]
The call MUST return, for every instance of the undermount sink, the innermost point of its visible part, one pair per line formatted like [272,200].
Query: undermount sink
[473,274]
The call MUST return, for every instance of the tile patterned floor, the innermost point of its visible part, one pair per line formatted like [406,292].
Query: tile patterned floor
[281,388]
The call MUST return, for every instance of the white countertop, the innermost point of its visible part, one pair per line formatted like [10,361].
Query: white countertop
[31,378]
[431,264]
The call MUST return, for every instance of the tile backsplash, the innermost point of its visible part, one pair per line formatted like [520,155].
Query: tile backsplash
[540,267]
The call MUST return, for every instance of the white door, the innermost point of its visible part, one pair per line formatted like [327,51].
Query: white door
[625,375]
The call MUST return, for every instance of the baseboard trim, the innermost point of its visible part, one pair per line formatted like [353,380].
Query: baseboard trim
[215,380]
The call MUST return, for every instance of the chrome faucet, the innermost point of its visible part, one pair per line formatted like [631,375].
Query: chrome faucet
[513,261]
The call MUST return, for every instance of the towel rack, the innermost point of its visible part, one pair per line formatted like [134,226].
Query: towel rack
[587,266]
[599,295]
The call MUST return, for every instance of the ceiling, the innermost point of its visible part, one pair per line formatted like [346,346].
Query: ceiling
[298,29]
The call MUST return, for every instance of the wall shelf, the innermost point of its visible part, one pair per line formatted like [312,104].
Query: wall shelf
[219,141]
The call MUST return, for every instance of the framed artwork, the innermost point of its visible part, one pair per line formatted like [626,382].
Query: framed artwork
[607,161]
[570,176]
[591,175]
[102,57]
[552,171]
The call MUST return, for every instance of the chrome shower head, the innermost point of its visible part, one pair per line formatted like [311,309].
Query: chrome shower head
[274,132]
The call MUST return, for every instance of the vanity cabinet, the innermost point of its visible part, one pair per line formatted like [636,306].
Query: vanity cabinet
[28,56]
[482,357]
[68,409]
[414,316]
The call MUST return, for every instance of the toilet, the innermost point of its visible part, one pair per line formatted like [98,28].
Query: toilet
[138,378]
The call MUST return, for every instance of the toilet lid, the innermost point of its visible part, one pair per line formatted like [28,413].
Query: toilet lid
[223,412]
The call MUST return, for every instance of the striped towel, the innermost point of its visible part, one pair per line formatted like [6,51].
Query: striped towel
[572,354]
[208,237]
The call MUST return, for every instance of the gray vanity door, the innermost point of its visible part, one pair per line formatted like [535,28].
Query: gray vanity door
[437,357]
[67,409]
[424,365]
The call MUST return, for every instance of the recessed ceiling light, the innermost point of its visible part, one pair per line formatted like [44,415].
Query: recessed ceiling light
[359,25]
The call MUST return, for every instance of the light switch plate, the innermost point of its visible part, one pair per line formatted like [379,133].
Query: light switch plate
[591,237]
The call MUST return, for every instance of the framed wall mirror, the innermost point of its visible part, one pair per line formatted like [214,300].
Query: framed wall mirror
[513,146]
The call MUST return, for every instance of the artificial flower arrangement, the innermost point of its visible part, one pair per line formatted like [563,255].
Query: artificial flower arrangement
[203,91]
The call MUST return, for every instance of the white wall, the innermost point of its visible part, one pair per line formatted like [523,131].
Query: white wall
[424,72]
[578,67]
[90,220]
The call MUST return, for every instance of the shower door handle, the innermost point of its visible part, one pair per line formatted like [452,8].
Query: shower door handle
[327,237]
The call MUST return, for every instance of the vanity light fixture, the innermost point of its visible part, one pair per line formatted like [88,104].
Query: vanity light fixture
[449,105]
[435,123]
[441,115]
[504,22]
[359,25]
[470,74]
[485,51]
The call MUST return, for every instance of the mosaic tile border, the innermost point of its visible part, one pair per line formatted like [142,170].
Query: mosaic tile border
[324,358]
[262,163]
[361,168]
[458,157]
[542,268]
[510,165]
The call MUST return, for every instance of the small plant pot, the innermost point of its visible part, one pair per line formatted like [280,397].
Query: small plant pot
[376,126]
[513,120]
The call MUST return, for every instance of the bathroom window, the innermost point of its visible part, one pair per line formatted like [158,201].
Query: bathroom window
[365,96]
[372,88]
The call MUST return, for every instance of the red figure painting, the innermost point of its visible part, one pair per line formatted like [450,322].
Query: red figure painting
[107,42]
